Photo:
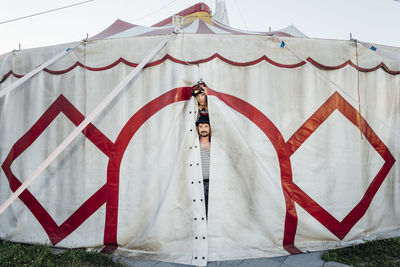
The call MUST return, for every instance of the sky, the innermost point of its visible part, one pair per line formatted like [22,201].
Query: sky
[375,21]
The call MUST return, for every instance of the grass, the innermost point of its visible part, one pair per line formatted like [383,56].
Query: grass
[16,254]
[372,253]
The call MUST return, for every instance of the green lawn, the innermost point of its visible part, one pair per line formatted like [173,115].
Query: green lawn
[374,253]
[15,254]
[380,253]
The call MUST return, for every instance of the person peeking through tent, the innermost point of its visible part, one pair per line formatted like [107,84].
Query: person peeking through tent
[199,91]
[204,130]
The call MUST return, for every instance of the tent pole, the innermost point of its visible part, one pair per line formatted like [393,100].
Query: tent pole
[103,104]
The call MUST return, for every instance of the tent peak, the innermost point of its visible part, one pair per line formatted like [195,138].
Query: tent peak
[117,27]
[197,11]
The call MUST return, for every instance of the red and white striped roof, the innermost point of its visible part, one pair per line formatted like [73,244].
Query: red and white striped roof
[198,20]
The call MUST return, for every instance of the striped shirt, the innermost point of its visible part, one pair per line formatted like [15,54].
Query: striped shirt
[205,163]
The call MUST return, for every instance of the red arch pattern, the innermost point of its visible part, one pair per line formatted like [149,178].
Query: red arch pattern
[108,193]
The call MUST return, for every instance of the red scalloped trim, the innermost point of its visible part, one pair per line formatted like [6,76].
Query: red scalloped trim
[216,55]
[348,62]
[5,76]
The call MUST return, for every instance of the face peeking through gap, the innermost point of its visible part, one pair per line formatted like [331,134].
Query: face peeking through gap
[203,129]
[202,99]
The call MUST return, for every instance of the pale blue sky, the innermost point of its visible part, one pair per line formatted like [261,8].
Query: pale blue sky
[368,20]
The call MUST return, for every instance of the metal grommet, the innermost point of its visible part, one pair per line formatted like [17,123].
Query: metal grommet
[195,237]
[202,219]
[204,237]
[190,147]
[194,200]
[190,165]
[192,182]
[203,258]
[191,130]
[195,258]
[197,164]
[190,112]
[199,182]
[195,219]
[201,199]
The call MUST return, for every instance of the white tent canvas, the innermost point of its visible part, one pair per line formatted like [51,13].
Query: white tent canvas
[304,145]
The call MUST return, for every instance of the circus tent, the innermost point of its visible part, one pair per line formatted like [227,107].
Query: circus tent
[304,148]
[197,20]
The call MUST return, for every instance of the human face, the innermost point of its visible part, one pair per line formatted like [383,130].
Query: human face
[203,129]
[202,99]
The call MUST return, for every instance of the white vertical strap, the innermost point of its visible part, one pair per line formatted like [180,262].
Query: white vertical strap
[103,104]
[35,71]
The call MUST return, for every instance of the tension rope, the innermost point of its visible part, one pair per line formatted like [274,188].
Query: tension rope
[358,87]
[316,70]
[84,82]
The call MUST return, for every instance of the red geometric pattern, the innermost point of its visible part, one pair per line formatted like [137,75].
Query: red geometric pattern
[336,102]
[285,150]
[121,144]
[109,192]
[55,232]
